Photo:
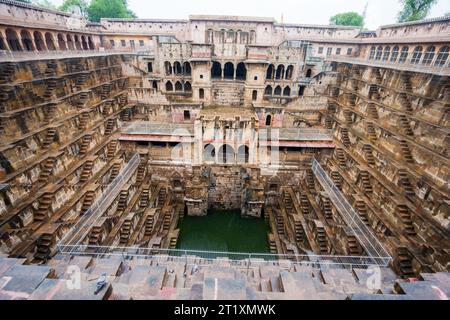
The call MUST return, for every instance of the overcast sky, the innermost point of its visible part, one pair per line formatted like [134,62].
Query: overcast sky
[379,12]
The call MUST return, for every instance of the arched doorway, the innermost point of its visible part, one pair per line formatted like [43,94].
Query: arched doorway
[187,68]
[61,42]
[84,43]
[90,43]
[289,72]
[308,73]
[177,68]
[168,68]
[268,120]
[39,41]
[287,91]
[187,86]
[77,42]
[270,72]
[155,84]
[26,40]
[226,154]
[228,70]
[70,44]
[241,71]
[49,41]
[277,91]
[280,72]
[254,95]
[268,91]
[178,86]
[169,86]
[201,94]
[216,70]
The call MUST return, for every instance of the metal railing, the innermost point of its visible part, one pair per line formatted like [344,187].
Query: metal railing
[406,66]
[235,258]
[80,230]
[366,238]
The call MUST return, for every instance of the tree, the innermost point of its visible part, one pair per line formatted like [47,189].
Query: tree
[44,4]
[109,9]
[414,9]
[74,6]
[347,19]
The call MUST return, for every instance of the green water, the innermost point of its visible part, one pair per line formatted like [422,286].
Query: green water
[224,231]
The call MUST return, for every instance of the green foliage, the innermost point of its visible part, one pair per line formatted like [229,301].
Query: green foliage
[44,4]
[109,9]
[414,9]
[347,19]
[70,5]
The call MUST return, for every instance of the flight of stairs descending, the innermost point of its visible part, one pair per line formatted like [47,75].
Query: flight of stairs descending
[83,97]
[43,207]
[140,173]
[6,72]
[84,119]
[374,93]
[173,242]
[35,70]
[310,180]
[95,236]
[353,246]
[126,115]
[51,69]
[110,126]
[304,204]
[162,197]
[144,198]
[405,125]
[148,225]
[123,201]
[272,244]
[361,209]
[115,170]
[49,113]
[372,135]
[125,232]
[368,152]
[111,149]
[351,99]
[328,123]
[87,201]
[167,221]
[81,79]
[299,232]
[50,136]
[406,151]
[376,74]
[43,247]
[49,92]
[280,224]
[405,217]
[340,157]
[405,102]
[404,263]
[344,137]
[322,240]
[86,172]
[405,184]
[337,179]
[84,145]
[372,111]
[365,182]
[405,83]
[348,117]
[288,206]
[327,208]
[46,169]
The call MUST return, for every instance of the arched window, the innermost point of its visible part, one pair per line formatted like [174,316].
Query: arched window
[372,53]
[84,43]
[280,72]
[226,154]
[268,120]
[13,40]
[216,70]
[270,72]
[241,71]
[301,91]
[49,41]
[252,36]
[442,57]
[187,86]
[277,91]
[209,153]
[201,93]
[254,95]
[417,54]
[155,84]
[379,53]
[168,68]
[429,55]
[308,73]
[177,68]
[387,52]
[187,68]
[2,43]
[61,42]
[268,91]
[403,55]
[289,72]
[169,86]
[243,154]
[90,43]
[178,86]
[77,42]
[39,41]
[26,40]
[287,91]
[228,70]
[209,36]
[70,44]
[394,55]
